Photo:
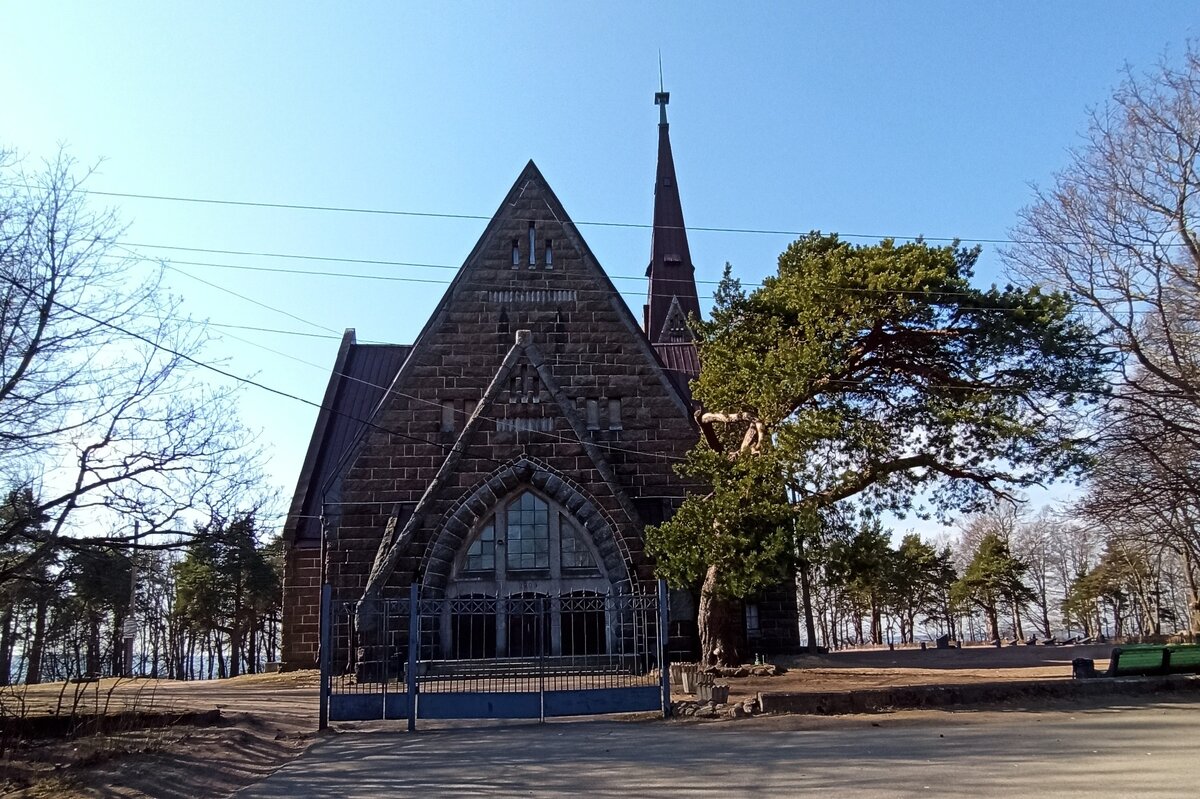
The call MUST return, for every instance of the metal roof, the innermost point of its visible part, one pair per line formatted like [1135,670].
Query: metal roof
[361,376]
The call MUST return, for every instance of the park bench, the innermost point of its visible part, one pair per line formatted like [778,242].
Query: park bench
[1144,660]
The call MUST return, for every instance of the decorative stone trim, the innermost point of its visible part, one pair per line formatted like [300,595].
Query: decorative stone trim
[477,503]
[532,296]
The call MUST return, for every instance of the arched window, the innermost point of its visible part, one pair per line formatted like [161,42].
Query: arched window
[481,555]
[528,582]
[529,538]
[574,551]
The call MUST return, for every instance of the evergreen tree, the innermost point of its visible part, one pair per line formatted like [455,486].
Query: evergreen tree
[873,373]
[992,578]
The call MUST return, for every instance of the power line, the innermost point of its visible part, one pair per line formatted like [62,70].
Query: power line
[326,336]
[432,281]
[590,223]
[218,370]
[230,291]
[390,391]
[290,256]
[485,218]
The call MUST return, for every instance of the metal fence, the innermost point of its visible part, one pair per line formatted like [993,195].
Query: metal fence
[518,656]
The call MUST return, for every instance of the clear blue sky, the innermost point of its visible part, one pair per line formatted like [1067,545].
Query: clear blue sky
[863,118]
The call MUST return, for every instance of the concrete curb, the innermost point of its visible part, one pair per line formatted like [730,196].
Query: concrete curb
[836,703]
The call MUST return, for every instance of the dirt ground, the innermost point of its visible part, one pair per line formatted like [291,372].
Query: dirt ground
[267,720]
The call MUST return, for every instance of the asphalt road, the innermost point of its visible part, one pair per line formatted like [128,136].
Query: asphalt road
[1131,750]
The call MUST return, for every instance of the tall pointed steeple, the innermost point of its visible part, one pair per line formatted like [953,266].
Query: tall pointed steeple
[671,296]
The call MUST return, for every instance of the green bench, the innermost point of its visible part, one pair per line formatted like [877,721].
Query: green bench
[1142,660]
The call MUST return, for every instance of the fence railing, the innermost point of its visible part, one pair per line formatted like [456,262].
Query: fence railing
[583,650]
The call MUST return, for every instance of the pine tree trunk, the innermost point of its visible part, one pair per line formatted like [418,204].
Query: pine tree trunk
[93,645]
[235,649]
[810,627]
[37,642]
[994,622]
[6,645]
[1046,614]
[721,631]
[252,647]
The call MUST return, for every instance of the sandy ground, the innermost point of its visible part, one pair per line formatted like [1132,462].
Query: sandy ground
[268,720]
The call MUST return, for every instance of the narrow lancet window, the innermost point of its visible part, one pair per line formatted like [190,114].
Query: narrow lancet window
[614,413]
[516,253]
[532,248]
[549,255]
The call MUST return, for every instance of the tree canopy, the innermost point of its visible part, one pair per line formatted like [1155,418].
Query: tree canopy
[872,372]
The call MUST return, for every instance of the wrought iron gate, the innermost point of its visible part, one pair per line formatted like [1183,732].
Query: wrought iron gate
[519,656]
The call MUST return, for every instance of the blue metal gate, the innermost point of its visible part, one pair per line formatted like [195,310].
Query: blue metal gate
[519,656]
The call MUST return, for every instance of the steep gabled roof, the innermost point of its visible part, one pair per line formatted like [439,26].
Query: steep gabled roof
[361,374]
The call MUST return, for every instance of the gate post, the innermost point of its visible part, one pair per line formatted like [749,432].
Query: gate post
[664,638]
[414,643]
[325,654]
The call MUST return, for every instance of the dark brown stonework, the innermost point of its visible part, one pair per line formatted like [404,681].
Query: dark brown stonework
[301,606]
[526,377]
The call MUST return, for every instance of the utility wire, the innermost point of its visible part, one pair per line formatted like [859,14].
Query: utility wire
[631,225]
[216,369]
[431,281]
[485,218]
[390,391]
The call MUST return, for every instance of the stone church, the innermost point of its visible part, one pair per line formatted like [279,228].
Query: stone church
[522,443]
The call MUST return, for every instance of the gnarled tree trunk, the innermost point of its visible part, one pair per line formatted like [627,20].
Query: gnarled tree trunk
[721,630]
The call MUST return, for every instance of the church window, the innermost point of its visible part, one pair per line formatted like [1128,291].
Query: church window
[516,254]
[593,414]
[549,254]
[575,553]
[448,416]
[753,627]
[529,582]
[481,556]
[614,413]
[532,248]
[527,544]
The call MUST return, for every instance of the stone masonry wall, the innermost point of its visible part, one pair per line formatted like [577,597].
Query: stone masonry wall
[301,607]
[595,353]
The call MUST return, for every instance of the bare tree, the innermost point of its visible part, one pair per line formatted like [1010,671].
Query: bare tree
[104,422]
[1118,231]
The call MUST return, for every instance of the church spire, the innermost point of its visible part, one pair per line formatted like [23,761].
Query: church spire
[671,296]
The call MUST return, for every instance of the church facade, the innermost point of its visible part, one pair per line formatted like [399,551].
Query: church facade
[521,444]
